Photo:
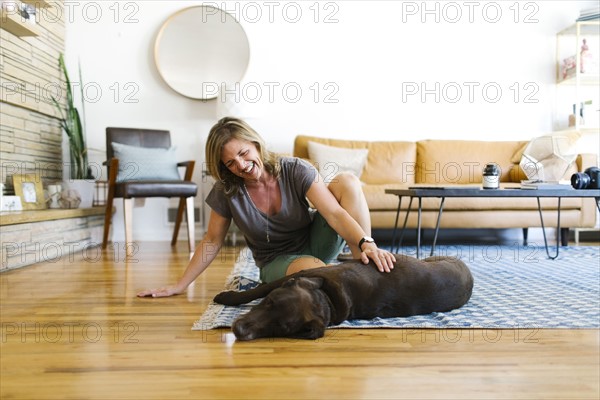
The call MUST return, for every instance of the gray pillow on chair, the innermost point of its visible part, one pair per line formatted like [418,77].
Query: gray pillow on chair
[145,163]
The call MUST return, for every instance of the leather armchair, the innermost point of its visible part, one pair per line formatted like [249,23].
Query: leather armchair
[185,189]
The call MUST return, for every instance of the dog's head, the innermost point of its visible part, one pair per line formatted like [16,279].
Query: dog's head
[297,309]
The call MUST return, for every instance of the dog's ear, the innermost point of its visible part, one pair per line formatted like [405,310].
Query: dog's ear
[289,282]
[311,283]
[313,329]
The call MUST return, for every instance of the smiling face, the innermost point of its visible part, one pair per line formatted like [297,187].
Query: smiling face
[242,159]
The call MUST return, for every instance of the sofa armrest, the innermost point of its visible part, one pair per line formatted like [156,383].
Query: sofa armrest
[586,160]
[589,213]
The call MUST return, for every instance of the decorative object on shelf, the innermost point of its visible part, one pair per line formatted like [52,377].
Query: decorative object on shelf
[588,62]
[547,158]
[577,56]
[101,189]
[71,123]
[84,189]
[70,119]
[577,120]
[8,201]
[568,67]
[11,203]
[29,188]
[27,13]
[585,56]
[54,196]
[69,198]
[20,18]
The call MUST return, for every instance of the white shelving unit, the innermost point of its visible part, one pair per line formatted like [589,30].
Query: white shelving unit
[578,84]
[578,73]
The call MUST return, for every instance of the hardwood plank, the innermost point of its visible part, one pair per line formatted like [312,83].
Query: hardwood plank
[74,329]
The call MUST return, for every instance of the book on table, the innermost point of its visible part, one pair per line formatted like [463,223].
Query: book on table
[538,185]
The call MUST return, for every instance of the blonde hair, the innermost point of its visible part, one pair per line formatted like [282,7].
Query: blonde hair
[221,133]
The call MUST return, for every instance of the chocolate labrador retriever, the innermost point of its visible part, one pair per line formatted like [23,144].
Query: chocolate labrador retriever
[302,305]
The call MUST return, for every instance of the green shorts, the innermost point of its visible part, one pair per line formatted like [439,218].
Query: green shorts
[323,243]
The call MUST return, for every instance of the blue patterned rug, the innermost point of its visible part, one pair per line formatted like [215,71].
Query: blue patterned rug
[515,288]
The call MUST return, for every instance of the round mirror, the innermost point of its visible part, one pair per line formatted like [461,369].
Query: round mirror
[200,49]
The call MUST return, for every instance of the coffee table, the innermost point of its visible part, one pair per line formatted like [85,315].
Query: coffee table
[420,192]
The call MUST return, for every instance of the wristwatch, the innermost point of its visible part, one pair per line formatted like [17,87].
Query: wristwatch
[365,239]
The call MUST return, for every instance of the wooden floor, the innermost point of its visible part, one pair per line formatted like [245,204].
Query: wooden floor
[73,328]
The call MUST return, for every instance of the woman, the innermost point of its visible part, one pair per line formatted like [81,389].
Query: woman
[268,196]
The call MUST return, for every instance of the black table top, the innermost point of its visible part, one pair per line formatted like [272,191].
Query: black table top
[449,191]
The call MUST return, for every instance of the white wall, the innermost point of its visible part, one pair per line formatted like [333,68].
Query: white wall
[370,53]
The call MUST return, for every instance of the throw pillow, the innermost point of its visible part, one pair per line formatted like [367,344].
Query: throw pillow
[516,158]
[145,163]
[331,160]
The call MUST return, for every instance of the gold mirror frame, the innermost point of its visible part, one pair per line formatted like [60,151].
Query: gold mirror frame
[201,49]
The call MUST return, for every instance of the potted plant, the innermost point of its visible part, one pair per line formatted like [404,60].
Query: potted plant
[71,122]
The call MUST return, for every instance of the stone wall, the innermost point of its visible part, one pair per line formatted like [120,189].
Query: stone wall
[31,142]
[30,136]
[51,241]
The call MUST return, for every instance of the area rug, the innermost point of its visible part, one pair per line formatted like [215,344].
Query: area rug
[515,288]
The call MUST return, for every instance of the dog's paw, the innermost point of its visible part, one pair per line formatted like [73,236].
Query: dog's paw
[229,298]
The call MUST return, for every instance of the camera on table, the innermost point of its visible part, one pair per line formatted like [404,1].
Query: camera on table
[588,179]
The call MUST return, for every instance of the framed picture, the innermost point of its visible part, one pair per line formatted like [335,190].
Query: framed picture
[29,188]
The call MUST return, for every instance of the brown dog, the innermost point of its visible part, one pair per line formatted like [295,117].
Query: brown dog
[302,305]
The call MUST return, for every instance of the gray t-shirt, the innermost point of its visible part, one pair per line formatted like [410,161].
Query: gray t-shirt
[288,229]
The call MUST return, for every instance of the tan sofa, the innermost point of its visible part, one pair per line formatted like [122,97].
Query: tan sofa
[400,164]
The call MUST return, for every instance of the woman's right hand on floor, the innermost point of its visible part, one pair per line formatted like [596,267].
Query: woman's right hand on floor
[162,292]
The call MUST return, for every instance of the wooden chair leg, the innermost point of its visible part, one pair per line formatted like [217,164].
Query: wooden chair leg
[112,178]
[107,221]
[178,219]
[189,211]
[128,216]
[564,236]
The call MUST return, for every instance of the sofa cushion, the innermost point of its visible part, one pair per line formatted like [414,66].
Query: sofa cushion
[301,144]
[332,160]
[462,161]
[390,162]
[387,162]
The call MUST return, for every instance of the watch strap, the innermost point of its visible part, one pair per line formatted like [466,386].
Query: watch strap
[363,240]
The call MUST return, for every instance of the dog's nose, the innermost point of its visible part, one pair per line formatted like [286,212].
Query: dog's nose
[243,330]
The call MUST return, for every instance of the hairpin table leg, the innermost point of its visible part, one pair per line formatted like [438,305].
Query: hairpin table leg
[403,225]
[419,228]
[544,230]
[437,227]
[396,225]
